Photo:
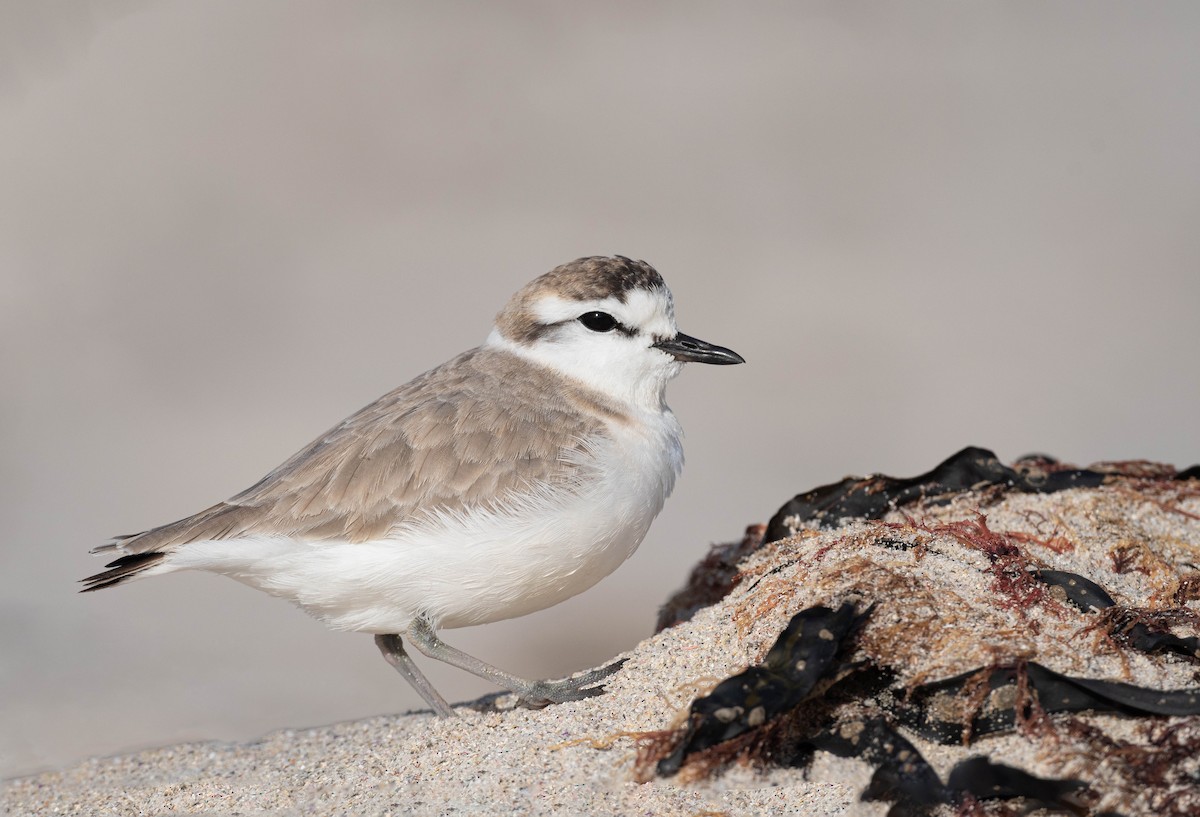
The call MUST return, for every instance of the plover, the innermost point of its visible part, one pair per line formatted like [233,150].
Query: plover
[504,481]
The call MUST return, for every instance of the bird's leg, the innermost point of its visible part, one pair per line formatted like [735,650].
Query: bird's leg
[393,652]
[531,693]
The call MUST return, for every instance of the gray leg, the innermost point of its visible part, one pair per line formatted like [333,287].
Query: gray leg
[531,693]
[393,651]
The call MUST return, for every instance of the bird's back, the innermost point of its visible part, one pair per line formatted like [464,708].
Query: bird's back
[485,425]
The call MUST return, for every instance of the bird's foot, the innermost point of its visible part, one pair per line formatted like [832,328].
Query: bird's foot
[541,694]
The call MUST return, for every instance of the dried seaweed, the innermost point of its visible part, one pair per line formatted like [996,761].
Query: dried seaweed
[710,580]
[1082,592]
[970,469]
[1010,567]
[935,710]
[1144,630]
[1148,630]
[804,654]
[985,780]
[791,705]
[901,774]
[881,689]
[1164,766]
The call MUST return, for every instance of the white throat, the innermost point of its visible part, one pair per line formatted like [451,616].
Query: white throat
[637,380]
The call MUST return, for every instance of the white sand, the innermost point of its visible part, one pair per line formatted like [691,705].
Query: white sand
[501,762]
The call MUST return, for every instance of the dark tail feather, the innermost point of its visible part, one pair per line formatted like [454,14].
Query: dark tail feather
[124,568]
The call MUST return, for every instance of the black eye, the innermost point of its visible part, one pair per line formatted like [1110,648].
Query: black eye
[598,321]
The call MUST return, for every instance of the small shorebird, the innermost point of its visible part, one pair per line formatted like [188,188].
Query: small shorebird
[504,481]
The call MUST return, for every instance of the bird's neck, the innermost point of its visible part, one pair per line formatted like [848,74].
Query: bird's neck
[634,391]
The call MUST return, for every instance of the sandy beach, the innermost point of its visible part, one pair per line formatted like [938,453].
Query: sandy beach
[579,758]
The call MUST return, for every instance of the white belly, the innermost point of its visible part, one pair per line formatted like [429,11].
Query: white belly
[477,568]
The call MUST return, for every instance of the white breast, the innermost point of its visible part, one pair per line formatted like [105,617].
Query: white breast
[472,568]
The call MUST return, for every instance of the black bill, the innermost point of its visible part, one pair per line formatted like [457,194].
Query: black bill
[693,350]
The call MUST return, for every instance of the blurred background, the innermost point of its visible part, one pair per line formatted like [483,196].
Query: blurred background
[224,226]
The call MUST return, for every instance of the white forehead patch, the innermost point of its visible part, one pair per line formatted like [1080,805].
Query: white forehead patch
[646,311]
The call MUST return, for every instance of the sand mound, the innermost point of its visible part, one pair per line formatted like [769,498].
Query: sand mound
[948,581]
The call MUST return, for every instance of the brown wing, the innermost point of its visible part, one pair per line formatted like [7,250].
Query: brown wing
[444,440]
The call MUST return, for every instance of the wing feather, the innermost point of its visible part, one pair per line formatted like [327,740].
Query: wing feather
[481,427]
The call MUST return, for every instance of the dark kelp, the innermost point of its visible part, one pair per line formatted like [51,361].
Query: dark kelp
[834,694]
[817,646]
[804,654]
[969,470]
